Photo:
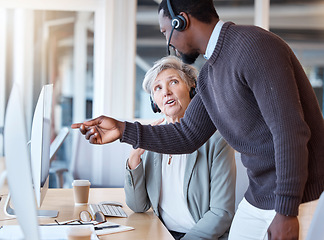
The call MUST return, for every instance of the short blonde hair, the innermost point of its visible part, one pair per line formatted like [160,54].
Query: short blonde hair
[187,72]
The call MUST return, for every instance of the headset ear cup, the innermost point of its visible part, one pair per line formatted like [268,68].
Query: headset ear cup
[155,107]
[182,23]
[192,92]
[178,22]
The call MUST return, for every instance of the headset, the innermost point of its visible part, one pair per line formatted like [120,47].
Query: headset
[178,22]
[155,107]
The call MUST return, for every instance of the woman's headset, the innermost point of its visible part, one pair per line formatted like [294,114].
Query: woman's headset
[155,107]
[178,22]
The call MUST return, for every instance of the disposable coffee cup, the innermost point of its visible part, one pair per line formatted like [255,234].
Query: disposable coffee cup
[79,233]
[81,191]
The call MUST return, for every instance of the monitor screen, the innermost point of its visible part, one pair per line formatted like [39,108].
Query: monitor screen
[41,141]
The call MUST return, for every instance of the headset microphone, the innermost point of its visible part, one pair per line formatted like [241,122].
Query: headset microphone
[168,46]
[178,23]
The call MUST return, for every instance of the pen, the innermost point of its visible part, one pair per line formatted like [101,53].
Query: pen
[104,227]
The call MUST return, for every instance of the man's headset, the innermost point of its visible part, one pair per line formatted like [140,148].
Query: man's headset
[178,23]
[155,107]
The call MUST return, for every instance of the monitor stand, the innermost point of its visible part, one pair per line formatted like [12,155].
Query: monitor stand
[40,213]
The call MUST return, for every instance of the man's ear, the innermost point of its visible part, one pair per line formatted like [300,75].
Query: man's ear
[186,17]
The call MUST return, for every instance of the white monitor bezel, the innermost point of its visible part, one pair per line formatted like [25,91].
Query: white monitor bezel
[40,147]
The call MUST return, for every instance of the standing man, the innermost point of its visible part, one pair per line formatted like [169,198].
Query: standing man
[254,91]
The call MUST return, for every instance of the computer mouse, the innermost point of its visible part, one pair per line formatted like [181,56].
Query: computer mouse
[114,203]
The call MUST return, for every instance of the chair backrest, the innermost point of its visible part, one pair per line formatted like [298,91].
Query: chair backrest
[316,228]
[242,180]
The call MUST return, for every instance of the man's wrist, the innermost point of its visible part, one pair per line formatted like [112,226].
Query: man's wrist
[121,127]
[287,206]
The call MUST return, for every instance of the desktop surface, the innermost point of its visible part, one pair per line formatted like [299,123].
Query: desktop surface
[147,225]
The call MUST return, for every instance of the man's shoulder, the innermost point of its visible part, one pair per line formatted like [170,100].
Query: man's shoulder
[248,32]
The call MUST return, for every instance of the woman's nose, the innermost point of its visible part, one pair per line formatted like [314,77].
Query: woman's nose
[166,91]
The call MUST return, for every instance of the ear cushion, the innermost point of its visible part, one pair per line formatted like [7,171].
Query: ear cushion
[192,92]
[154,106]
[179,23]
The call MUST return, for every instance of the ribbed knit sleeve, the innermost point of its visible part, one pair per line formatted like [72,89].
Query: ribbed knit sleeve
[194,130]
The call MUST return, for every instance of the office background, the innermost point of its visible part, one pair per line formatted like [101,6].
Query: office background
[96,53]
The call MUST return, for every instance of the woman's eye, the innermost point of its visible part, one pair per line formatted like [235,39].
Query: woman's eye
[174,82]
[157,88]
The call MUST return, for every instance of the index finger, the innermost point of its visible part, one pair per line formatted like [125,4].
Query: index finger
[76,125]
[93,122]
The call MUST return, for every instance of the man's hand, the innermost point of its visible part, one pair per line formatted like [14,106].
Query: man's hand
[101,130]
[283,228]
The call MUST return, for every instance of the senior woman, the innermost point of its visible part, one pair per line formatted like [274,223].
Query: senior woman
[193,194]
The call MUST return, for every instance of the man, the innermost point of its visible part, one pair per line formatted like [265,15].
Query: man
[254,91]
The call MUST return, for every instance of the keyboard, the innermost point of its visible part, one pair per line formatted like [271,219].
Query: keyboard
[108,210]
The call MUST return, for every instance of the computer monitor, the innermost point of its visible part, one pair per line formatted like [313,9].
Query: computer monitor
[41,150]
[18,166]
[40,142]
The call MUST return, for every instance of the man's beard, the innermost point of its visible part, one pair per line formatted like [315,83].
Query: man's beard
[189,58]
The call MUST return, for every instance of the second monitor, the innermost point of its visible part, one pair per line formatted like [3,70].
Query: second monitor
[42,150]
[40,142]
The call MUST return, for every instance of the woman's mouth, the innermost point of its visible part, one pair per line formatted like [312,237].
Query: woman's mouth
[170,101]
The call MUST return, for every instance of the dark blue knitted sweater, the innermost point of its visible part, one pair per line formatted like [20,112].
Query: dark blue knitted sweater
[255,92]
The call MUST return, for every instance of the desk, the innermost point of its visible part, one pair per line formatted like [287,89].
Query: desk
[147,225]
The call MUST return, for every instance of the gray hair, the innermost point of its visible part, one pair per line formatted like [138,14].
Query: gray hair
[187,72]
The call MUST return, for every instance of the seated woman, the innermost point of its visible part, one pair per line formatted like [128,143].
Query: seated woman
[193,194]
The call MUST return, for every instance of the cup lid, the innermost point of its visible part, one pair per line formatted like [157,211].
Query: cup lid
[81,183]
